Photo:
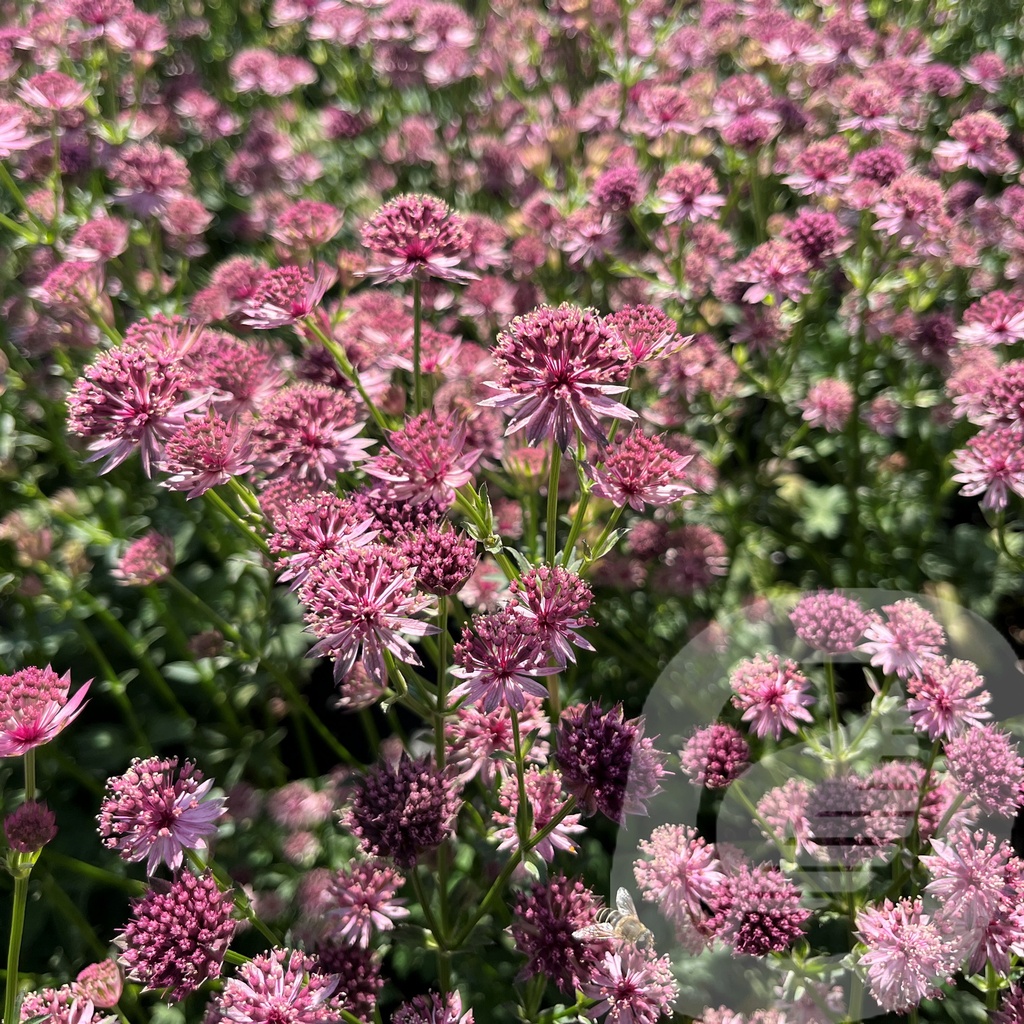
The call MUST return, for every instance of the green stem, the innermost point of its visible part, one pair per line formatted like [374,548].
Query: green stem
[213,498]
[14,949]
[577,526]
[523,810]
[605,534]
[346,367]
[92,872]
[417,328]
[30,774]
[553,475]
[19,198]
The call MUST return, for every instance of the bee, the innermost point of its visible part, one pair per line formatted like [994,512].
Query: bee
[620,924]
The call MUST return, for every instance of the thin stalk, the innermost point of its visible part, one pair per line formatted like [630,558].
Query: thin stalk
[417,328]
[30,774]
[576,526]
[523,809]
[17,195]
[92,872]
[552,534]
[14,948]
[605,534]
[213,498]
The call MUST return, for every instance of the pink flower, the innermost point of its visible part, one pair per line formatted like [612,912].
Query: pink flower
[205,453]
[481,743]
[130,399]
[557,369]
[53,91]
[943,702]
[913,208]
[822,169]
[544,791]
[775,269]
[417,236]
[426,459]
[772,695]
[681,872]
[906,643]
[34,708]
[978,141]
[360,603]
[363,899]
[145,561]
[828,405]
[285,296]
[829,622]
[640,470]
[687,192]
[715,756]
[992,464]
[149,814]
[282,985]
[757,911]
[907,958]
[968,874]
[995,319]
[499,658]
[13,135]
[631,988]
[986,765]
[647,332]
[556,600]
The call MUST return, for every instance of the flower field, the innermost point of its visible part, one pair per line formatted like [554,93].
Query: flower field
[511,512]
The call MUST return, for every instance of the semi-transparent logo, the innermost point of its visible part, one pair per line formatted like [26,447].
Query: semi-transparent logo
[839,796]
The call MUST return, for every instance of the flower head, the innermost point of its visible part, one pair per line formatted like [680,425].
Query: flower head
[285,296]
[363,899]
[403,809]
[647,332]
[360,603]
[968,874]
[679,871]
[992,465]
[557,371]
[145,561]
[34,708]
[687,192]
[433,1009]
[417,236]
[906,642]
[280,987]
[151,814]
[556,600]
[606,761]
[426,459]
[129,399]
[943,701]
[757,911]
[642,470]
[631,988]
[828,404]
[829,622]
[178,934]
[772,695]
[907,959]
[205,453]
[986,765]
[30,827]
[715,756]
[544,791]
[444,558]
[545,919]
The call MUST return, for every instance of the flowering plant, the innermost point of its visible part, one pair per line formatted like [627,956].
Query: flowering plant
[389,391]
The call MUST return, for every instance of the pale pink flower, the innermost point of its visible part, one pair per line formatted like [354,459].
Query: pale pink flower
[772,694]
[906,642]
[544,792]
[943,702]
[992,465]
[631,988]
[362,899]
[34,708]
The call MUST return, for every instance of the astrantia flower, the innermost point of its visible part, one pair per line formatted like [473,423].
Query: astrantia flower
[52,91]
[906,641]
[205,453]
[482,743]
[359,975]
[631,988]
[830,622]
[150,814]
[647,332]
[715,756]
[417,236]
[679,871]
[313,527]
[986,765]
[995,319]
[149,177]
[29,828]
[557,601]
[943,701]
[968,874]
[499,659]
[433,1009]
[280,987]
[101,983]
[907,959]
[606,761]
[178,935]
[362,898]
[913,208]
[992,464]
[127,400]
[426,459]
[557,369]
[444,558]
[360,603]
[757,911]
[775,270]
[145,561]
[403,809]
[285,296]
[544,791]
[34,708]
[543,925]
[687,192]
[640,470]
[13,134]
[828,405]
[310,432]
[772,694]
[822,169]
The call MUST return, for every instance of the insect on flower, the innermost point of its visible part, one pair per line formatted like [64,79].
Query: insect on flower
[620,924]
